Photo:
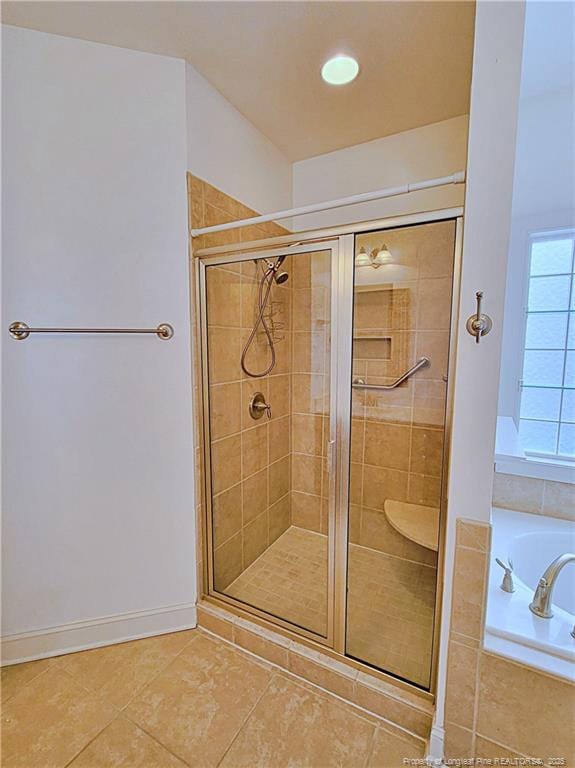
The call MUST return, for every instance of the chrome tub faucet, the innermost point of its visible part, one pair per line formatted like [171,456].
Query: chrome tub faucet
[541,603]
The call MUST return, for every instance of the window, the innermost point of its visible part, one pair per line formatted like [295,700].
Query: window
[547,410]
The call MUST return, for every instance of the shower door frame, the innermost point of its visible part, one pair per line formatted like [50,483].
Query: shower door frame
[341,242]
[333,458]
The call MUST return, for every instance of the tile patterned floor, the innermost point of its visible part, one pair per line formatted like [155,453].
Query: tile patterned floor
[185,699]
[390,600]
[289,580]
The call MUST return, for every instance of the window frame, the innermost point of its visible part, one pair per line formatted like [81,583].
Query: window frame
[532,236]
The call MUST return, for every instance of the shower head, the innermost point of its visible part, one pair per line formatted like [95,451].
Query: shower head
[281,277]
[273,270]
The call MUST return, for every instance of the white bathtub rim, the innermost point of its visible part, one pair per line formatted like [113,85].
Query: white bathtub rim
[511,629]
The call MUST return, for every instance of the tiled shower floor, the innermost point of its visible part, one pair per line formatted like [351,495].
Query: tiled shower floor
[390,600]
[289,580]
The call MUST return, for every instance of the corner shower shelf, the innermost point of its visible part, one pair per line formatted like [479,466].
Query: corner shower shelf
[414,521]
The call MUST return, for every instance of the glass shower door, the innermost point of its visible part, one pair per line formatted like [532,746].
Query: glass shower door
[267,336]
[402,315]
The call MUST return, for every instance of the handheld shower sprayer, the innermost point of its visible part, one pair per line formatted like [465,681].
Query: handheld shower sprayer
[270,276]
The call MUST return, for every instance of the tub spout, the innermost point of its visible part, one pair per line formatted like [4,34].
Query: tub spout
[541,603]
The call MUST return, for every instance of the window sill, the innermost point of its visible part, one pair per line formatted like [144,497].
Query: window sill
[543,469]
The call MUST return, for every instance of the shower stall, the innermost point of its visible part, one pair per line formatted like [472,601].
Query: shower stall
[325,361]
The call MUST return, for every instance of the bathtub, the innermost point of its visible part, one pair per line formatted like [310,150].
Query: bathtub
[532,542]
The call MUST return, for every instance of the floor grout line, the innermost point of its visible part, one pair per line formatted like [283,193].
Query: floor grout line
[369,754]
[242,726]
[162,670]
[119,711]
[27,683]
[154,738]
[144,685]
[100,732]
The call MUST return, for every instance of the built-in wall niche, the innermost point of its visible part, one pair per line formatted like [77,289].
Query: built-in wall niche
[380,312]
[372,347]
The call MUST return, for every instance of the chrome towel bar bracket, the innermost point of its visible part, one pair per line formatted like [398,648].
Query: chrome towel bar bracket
[21,331]
[423,362]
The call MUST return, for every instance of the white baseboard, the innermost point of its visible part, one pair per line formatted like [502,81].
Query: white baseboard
[105,630]
[435,750]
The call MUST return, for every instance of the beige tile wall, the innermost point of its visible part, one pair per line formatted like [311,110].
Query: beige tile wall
[266,475]
[496,707]
[250,471]
[310,275]
[529,494]
[208,205]
[397,436]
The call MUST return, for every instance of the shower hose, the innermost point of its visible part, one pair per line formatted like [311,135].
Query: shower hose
[266,280]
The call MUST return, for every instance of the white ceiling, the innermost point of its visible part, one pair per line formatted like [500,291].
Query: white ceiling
[265,58]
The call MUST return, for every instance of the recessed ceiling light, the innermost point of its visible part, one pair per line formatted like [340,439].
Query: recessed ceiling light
[340,70]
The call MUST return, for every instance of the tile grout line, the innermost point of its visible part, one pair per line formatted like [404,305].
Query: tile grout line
[27,683]
[144,685]
[370,749]
[92,692]
[162,670]
[120,711]
[91,741]
[389,554]
[503,746]
[244,723]
[154,738]
[124,713]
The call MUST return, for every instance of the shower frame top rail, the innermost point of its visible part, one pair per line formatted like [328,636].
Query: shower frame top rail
[21,331]
[364,197]
[423,362]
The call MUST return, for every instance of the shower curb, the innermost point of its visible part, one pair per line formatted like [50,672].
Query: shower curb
[404,709]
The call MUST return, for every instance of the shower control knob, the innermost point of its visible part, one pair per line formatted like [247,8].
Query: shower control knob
[258,406]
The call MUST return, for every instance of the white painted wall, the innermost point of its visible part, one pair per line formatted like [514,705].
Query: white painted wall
[544,183]
[434,150]
[226,150]
[492,140]
[545,157]
[543,198]
[98,504]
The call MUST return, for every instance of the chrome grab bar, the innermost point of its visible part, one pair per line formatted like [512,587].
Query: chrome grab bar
[21,331]
[423,362]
